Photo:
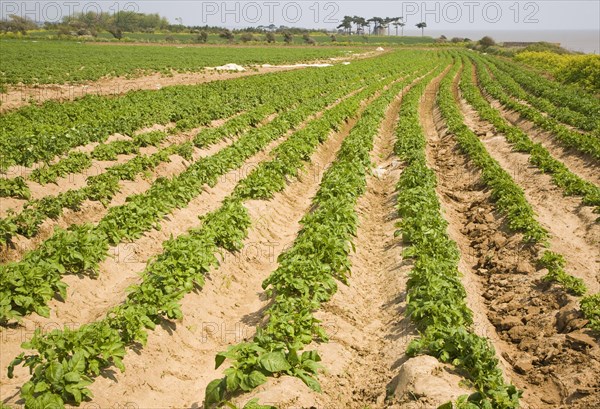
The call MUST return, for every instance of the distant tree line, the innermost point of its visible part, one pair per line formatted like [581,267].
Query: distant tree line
[91,23]
[375,25]
[269,36]
[17,24]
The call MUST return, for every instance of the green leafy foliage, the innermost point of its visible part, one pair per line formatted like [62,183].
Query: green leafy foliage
[557,100]
[590,306]
[464,349]
[539,156]
[181,269]
[154,138]
[15,187]
[578,73]
[75,162]
[586,143]
[29,284]
[436,297]
[8,229]
[555,263]
[233,127]
[52,62]
[40,133]
[109,151]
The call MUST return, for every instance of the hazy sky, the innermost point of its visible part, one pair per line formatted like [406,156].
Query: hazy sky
[439,15]
[474,15]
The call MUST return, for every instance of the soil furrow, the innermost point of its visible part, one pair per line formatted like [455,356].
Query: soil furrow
[574,232]
[93,211]
[366,323]
[583,167]
[368,335]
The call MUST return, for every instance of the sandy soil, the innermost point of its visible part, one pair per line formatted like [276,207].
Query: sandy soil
[571,224]
[534,326]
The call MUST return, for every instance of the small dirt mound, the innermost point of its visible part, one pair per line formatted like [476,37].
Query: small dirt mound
[425,382]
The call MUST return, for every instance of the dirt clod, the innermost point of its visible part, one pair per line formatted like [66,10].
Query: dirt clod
[581,341]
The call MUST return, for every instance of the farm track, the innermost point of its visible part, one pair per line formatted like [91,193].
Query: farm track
[534,326]
[584,167]
[17,97]
[212,321]
[22,96]
[89,299]
[574,232]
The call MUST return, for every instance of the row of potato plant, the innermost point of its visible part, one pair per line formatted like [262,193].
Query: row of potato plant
[40,133]
[561,95]
[513,81]
[28,285]
[508,196]
[76,162]
[104,186]
[436,297]
[100,188]
[562,177]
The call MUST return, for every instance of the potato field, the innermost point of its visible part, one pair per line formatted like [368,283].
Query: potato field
[408,228]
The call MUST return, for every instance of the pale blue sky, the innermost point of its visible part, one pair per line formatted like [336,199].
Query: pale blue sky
[440,15]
